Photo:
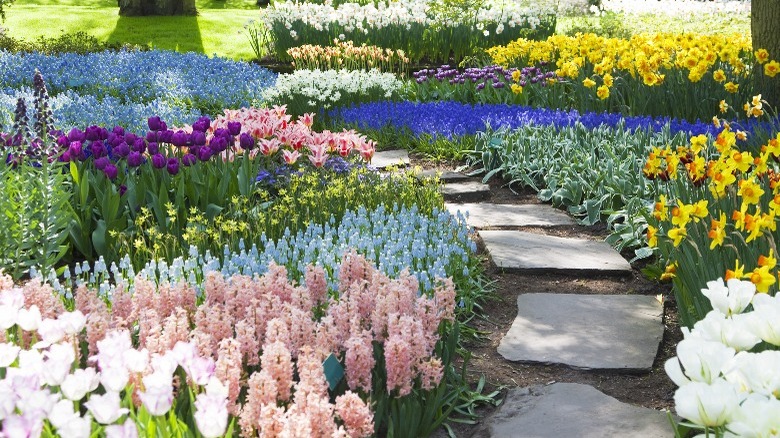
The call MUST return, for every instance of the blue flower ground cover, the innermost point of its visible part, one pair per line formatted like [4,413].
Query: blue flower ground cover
[452,119]
[126,87]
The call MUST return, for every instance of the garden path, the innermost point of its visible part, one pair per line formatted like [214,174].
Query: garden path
[583,331]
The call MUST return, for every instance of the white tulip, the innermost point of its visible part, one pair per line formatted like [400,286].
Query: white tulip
[80,383]
[73,322]
[29,319]
[57,364]
[765,318]
[136,361]
[702,361]
[114,378]
[211,414]
[126,430]
[755,372]
[106,408]
[8,354]
[730,298]
[707,404]
[733,331]
[757,416]
[158,396]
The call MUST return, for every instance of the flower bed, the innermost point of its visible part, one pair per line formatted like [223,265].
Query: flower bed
[124,88]
[421,28]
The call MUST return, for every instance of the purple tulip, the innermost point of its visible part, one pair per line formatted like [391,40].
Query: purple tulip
[65,157]
[219,144]
[165,136]
[151,136]
[153,148]
[204,153]
[135,159]
[102,133]
[179,138]
[130,138]
[202,124]
[62,141]
[158,161]
[75,149]
[189,159]
[234,128]
[76,135]
[139,145]
[92,133]
[173,165]
[111,171]
[155,124]
[118,130]
[247,141]
[98,149]
[198,138]
[122,190]
[102,162]
[121,150]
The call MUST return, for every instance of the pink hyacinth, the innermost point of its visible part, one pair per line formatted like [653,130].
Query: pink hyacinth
[355,414]
[399,365]
[276,360]
[359,361]
[229,369]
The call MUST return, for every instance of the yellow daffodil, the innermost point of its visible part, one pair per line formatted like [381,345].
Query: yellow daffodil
[750,191]
[731,87]
[681,214]
[762,278]
[698,142]
[699,210]
[738,216]
[720,179]
[738,272]
[669,272]
[516,89]
[677,234]
[717,231]
[652,238]
[772,68]
[769,260]
[718,75]
[659,210]
[608,80]
[588,83]
[762,56]
[602,92]
[723,106]
[516,75]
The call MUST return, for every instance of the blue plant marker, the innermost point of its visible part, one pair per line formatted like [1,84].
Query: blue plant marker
[334,371]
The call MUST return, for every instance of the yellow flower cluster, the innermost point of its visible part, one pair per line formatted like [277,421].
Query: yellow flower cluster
[648,57]
[729,174]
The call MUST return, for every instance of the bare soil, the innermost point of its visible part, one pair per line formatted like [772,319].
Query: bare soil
[652,390]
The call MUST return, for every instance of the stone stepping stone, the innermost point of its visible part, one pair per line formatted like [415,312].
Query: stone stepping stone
[511,215]
[448,176]
[467,191]
[572,410]
[395,157]
[529,252]
[594,332]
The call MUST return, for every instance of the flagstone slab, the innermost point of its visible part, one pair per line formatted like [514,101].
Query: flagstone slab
[572,410]
[530,252]
[447,176]
[486,215]
[467,191]
[395,157]
[597,332]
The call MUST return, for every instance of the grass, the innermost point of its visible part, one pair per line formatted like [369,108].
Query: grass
[218,29]
[720,23]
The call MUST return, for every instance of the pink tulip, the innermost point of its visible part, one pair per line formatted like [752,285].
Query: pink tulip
[290,157]
[319,154]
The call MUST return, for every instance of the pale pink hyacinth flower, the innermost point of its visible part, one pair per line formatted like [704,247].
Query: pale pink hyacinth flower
[359,361]
[276,360]
[355,414]
[229,370]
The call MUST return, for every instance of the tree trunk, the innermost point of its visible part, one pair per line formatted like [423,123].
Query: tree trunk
[156,7]
[765,30]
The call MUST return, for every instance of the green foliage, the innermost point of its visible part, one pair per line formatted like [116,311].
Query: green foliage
[5,4]
[608,24]
[35,217]
[594,174]
[76,42]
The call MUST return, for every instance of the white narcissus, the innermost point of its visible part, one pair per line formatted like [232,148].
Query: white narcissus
[707,404]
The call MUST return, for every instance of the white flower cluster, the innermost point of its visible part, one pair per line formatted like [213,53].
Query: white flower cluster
[676,7]
[723,386]
[353,16]
[327,88]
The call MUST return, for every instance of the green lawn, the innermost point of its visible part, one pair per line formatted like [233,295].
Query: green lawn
[217,30]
